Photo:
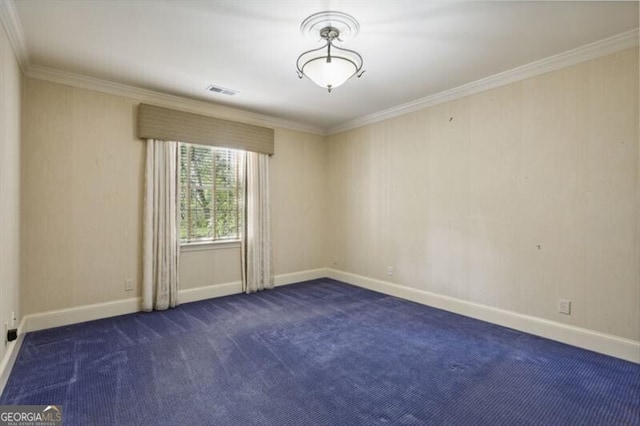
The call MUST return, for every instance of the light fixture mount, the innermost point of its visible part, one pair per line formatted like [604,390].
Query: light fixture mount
[343,23]
[329,33]
[330,66]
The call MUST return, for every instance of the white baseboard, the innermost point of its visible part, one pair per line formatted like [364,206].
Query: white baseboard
[10,355]
[209,292]
[592,340]
[235,287]
[298,277]
[599,342]
[77,314]
[61,317]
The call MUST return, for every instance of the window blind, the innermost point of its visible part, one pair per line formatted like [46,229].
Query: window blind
[155,122]
[210,194]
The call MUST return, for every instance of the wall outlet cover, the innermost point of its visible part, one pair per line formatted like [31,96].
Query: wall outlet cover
[564,306]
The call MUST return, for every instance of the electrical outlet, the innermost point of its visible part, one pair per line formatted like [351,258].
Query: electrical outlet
[128,284]
[564,306]
[390,270]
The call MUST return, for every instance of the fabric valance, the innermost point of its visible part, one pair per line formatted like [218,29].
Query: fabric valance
[155,122]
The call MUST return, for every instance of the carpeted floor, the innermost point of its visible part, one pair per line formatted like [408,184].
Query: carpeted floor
[316,353]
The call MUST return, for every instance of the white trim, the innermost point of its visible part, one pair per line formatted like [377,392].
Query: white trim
[77,314]
[11,22]
[209,245]
[599,342]
[209,292]
[235,287]
[571,57]
[10,355]
[13,27]
[592,340]
[298,277]
[165,100]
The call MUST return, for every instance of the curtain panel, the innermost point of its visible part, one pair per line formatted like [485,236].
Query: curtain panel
[257,268]
[161,243]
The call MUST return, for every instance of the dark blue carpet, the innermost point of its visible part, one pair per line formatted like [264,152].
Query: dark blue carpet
[317,353]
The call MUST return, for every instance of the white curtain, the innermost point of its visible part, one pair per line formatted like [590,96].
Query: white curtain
[257,271]
[161,243]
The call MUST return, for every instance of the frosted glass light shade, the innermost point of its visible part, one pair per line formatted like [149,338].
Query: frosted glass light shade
[329,74]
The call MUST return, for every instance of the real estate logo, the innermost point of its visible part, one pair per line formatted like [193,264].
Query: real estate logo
[30,415]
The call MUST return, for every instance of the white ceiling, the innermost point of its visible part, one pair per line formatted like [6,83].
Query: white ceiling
[411,49]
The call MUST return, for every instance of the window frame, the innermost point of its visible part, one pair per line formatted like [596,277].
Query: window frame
[209,243]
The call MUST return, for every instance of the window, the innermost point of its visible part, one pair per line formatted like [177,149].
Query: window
[210,194]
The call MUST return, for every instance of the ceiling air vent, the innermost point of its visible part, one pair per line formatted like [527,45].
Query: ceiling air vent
[221,90]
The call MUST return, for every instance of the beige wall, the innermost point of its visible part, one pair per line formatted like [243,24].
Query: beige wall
[82,198]
[10,86]
[82,174]
[298,185]
[512,198]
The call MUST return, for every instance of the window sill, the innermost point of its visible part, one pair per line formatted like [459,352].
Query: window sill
[209,245]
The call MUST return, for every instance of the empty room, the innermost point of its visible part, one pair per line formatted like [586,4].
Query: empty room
[286,212]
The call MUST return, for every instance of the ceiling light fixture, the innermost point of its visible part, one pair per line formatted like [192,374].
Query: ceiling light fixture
[330,66]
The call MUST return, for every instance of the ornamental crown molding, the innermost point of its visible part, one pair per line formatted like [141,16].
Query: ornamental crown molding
[562,60]
[13,27]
